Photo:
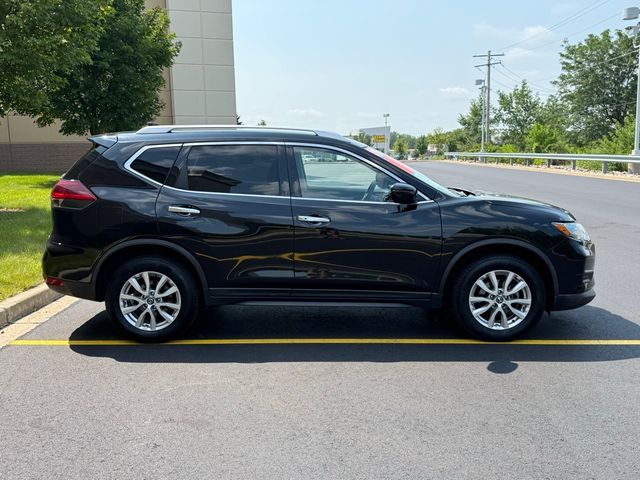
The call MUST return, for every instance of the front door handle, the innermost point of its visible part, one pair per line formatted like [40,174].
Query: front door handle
[313,219]
[186,211]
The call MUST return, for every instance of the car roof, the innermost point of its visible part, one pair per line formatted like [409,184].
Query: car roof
[206,133]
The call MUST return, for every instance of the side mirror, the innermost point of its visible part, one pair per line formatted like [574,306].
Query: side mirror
[403,193]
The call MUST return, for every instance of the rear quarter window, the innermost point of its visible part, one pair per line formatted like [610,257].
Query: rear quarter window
[155,163]
[87,159]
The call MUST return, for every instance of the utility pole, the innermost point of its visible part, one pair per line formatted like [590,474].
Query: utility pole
[633,13]
[386,140]
[482,102]
[487,103]
[483,138]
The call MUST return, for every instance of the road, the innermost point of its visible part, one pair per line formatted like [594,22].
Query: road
[343,411]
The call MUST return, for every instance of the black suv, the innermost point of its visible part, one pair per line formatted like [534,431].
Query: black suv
[167,220]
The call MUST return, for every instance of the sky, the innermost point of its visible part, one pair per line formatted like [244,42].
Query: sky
[339,65]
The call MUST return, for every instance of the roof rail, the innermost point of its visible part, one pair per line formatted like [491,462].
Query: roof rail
[182,128]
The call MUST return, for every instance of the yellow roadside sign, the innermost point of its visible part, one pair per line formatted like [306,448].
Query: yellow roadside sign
[377,138]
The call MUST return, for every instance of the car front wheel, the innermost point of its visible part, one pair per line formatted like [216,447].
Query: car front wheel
[498,298]
[152,299]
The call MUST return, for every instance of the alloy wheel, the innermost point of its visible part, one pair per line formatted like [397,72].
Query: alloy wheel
[150,301]
[500,299]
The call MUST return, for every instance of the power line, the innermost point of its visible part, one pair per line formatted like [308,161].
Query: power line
[554,42]
[541,94]
[510,87]
[517,81]
[591,65]
[564,114]
[539,87]
[578,14]
[582,12]
[548,90]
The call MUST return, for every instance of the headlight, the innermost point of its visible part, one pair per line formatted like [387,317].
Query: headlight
[573,230]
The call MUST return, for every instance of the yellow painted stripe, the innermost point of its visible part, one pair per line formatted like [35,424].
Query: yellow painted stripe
[310,341]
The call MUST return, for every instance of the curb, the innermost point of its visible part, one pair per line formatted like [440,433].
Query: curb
[21,305]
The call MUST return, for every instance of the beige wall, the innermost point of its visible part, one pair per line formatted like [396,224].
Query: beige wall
[203,76]
[18,129]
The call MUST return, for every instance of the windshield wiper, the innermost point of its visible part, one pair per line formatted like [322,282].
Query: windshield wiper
[465,193]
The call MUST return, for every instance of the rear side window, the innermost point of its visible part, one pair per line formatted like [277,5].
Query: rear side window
[155,163]
[86,160]
[245,169]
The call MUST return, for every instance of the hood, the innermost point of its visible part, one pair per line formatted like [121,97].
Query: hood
[553,212]
[515,201]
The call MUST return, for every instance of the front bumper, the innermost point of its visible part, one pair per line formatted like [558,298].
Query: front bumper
[573,300]
[574,263]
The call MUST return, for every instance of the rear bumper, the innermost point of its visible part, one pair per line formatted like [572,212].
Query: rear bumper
[573,300]
[70,268]
[75,289]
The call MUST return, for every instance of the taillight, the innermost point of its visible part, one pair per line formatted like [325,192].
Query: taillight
[54,282]
[71,193]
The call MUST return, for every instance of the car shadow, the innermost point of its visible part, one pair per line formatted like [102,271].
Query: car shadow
[245,322]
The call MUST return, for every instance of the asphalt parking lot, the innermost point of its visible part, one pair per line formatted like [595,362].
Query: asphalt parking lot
[78,404]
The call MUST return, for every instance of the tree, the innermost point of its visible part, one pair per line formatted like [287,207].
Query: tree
[554,114]
[400,148]
[620,142]
[457,140]
[393,137]
[471,123]
[41,43]
[422,145]
[438,137]
[541,138]
[410,140]
[262,123]
[362,138]
[118,90]
[517,111]
[598,84]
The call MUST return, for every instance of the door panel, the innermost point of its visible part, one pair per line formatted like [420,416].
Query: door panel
[348,238]
[366,246]
[242,241]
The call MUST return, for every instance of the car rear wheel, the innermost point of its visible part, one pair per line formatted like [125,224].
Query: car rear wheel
[498,298]
[152,299]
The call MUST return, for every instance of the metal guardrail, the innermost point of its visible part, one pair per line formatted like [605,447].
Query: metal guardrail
[568,157]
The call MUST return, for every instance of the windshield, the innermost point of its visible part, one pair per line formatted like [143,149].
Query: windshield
[406,168]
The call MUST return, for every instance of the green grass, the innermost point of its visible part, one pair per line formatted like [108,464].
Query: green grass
[25,223]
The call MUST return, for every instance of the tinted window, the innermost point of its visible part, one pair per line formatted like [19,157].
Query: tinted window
[327,174]
[84,162]
[247,169]
[155,163]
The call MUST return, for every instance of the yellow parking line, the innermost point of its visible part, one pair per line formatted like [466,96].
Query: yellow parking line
[310,341]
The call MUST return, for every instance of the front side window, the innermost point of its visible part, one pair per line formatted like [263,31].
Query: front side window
[326,174]
[244,169]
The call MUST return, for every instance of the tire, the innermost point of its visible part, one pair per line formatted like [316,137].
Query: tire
[160,315]
[501,313]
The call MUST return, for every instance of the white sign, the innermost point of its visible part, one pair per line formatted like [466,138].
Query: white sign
[380,137]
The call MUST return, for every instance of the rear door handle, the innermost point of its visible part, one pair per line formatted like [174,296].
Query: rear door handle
[186,211]
[313,219]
